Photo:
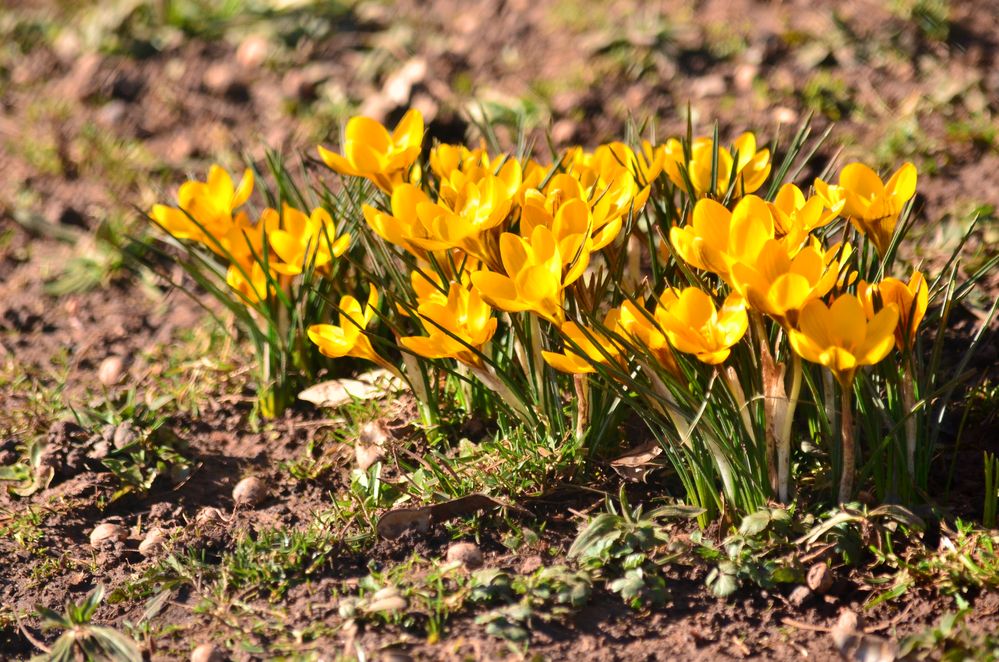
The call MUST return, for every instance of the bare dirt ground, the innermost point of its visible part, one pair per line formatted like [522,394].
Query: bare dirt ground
[104,108]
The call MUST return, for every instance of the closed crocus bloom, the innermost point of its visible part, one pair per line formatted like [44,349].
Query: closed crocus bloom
[796,216]
[305,242]
[613,159]
[751,166]
[841,337]
[595,345]
[463,315]
[249,280]
[694,326]
[871,205]
[370,151]
[910,298]
[537,272]
[641,326]
[446,158]
[211,203]
[403,226]
[716,237]
[506,172]
[348,338]
[780,284]
[243,242]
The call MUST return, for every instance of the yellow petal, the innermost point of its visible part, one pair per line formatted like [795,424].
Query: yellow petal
[366,131]
[409,131]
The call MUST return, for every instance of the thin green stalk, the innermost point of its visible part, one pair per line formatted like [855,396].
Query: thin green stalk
[908,405]
[847,441]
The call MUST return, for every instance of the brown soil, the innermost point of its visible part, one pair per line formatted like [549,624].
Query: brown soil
[198,100]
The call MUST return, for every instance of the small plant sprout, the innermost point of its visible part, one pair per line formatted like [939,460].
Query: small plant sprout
[81,639]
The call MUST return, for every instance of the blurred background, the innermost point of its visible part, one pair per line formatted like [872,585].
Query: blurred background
[107,105]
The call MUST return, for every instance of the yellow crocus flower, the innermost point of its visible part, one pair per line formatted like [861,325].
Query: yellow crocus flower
[465,217]
[910,298]
[780,284]
[538,269]
[716,237]
[349,338]
[304,241]
[871,205]
[694,326]
[644,327]
[797,216]
[370,151]
[211,203]
[446,159]
[462,315]
[568,209]
[840,336]
[403,226]
[247,277]
[752,166]
[599,352]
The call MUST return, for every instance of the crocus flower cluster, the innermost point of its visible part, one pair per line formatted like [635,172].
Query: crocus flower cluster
[503,246]
[263,253]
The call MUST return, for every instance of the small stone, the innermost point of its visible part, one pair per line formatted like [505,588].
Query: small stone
[153,543]
[111,114]
[563,131]
[110,370]
[207,653]
[708,86]
[100,450]
[367,456]
[208,516]
[373,433]
[387,599]
[799,595]
[820,578]
[253,51]
[745,74]
[785,115]
[222,78]
[107,533]
[124,434]
[249,492]
[466,553]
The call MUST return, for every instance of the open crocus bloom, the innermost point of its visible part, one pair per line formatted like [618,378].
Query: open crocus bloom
[585,347]
[211,204]
[348,338]
[538,269]
[871,205]
[370,151]
[841,337]
[304,242]
[694,326]
[910,298]
[716,237]
[454,326]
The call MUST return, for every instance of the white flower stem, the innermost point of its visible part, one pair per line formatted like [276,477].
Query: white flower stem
[784,443]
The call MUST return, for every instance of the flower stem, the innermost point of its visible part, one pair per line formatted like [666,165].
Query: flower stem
[784,443]
[847,443]
[735,388]
[908,404]
[582,386]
